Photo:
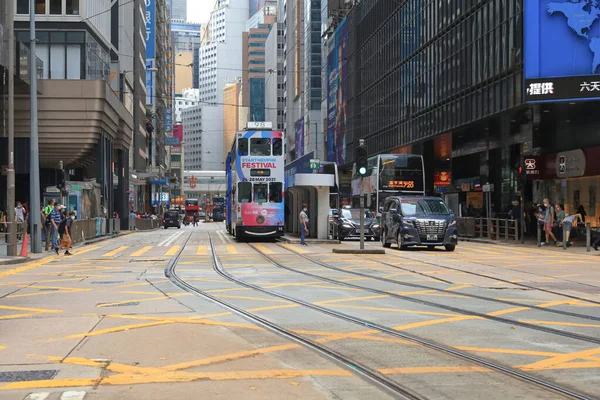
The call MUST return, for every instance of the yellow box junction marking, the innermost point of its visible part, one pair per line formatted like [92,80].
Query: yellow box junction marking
[231,249]
[201,250]
[114,252]
[263,248]
[141,251]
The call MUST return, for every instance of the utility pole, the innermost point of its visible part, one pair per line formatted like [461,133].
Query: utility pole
[34,183]
[10,179]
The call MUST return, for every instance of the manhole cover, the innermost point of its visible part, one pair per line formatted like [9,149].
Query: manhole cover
[129,304]
[106,282]
[21,376]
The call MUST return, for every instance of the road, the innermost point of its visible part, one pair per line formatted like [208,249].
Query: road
[190,313]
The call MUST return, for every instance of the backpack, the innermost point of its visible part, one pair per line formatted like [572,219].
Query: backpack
[48,221]
[61,227]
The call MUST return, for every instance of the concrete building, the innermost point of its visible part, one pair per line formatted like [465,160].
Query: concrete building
[91,122]
[179,10]
[203,136]
[274,93]
[184,68]
[187,36]
[187,98]
[253,60]
[220,53]
[231,114]
[203,185]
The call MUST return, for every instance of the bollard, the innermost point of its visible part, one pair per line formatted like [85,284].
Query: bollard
[588,237]
[539,234]
[564,242]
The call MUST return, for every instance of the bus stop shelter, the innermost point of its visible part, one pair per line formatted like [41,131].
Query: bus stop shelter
[307,186]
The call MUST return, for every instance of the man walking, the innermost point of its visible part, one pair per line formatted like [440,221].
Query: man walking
[55,220]
[303,225]
[47,225]
[65,233]
[19,219]
[549,222]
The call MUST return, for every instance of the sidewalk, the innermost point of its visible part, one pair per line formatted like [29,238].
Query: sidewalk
[579,247]
[293,239]
[6,260]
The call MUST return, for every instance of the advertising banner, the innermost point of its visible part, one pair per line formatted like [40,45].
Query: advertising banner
[337,93]
[172,141]
[299,137]
[562,50]
[149,82]
[150,20]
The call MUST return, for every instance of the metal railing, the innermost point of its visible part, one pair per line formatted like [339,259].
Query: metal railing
[488,228]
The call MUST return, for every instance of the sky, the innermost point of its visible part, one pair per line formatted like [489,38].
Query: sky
[199,10]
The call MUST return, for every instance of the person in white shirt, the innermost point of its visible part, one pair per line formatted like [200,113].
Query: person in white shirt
[303,224]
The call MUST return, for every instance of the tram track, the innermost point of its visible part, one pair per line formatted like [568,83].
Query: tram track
[349,364]
[427,287]
[217,266]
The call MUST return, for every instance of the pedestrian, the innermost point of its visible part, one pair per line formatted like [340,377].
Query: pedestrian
[549,222]
[3,225]
[19,219]
[196,219]
[47,225]
[567,225]
[64,229]
[55,220]
[581,211]
[560,215]
[516,214]
[303,224]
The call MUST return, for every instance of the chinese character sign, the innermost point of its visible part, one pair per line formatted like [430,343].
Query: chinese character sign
[150,21]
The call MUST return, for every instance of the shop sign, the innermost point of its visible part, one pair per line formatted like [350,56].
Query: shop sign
[465,187]
[441,178]
[570,164]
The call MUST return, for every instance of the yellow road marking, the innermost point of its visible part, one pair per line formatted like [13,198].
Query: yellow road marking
[27,267]
[141,251]
[263,248]
[253,298]
[397,310]
[231,249]
[507,351]
[2,347]
[60,290]
[433,322]
[351,299]
[507,311]
[431,370]
[297,249]
[35,310]
[553,362]
[54,383]
[115,251]
[117,329]
[148,299]
[201,250]
[561,323]
[172,251]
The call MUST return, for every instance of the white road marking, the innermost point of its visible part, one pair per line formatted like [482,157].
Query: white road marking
[72,395]
[37,396]
[171,239]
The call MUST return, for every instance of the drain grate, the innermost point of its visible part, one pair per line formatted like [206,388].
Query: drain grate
[22,376]
[129,304]
[106,282]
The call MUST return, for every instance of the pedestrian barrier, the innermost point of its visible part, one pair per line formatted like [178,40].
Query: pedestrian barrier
[488,228]
[146,224]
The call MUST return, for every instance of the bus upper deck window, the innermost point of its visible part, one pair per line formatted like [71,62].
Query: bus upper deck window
[277,147]
[260,147]
[275,192]
[244,192]
[243,146]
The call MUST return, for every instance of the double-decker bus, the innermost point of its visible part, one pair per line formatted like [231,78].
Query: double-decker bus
[389,174]
[191,208]
[255,176]
[218,209]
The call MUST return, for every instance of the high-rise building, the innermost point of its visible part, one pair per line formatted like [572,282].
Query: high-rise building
[231,114]
[253,74]
[203,135]
[187,98]
[274,91]
[179,10]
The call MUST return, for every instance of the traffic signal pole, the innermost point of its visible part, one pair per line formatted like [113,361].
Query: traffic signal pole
[361,169]
[35,219]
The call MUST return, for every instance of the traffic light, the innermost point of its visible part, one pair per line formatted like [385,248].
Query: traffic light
[362,160]
[521,176]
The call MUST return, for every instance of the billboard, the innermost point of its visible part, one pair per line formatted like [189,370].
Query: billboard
[337,93]
[150,19]
[562,50]
[149,82]
[299,137]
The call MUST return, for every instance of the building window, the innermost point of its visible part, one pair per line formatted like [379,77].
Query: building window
[55,7]
[72,7]
[40,6]
[22,6]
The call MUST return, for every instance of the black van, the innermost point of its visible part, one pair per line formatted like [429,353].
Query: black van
[171,219]
[418,221]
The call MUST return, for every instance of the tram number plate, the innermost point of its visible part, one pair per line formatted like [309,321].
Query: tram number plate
[432,238]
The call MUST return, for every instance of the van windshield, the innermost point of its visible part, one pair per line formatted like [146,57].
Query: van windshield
[412,207]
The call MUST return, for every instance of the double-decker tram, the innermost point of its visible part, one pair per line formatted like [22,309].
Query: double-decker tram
[191,208]
[218,209]
[255,175]
[387,175]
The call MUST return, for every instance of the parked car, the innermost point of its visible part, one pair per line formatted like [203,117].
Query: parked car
[332,220]
[171,219]
[418,221]
[347,224]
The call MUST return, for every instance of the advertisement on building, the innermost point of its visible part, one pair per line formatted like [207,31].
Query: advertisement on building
[337,93]
[299,137]
[150,29]
[562,50]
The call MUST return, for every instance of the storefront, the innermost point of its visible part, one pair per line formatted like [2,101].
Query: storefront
[571,178]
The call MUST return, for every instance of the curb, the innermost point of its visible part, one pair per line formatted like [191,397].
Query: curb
[14,261]
[358,251]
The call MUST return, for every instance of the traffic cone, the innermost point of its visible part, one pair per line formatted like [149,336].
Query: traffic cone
[25,246]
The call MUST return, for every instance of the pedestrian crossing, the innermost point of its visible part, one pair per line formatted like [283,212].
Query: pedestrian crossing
[69,395]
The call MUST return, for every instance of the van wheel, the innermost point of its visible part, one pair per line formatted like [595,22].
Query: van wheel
[385,242]
[450,247]
[165,227]
[400,242]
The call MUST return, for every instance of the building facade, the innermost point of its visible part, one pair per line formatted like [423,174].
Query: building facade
[203,136]
[274,93]
[179,10]
[231,114]
[188,98]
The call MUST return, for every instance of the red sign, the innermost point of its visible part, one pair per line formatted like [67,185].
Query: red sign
[193,182]
[441,178]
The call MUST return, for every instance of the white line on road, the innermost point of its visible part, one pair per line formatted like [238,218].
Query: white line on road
[37,396]
[168,241]
[72,395]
